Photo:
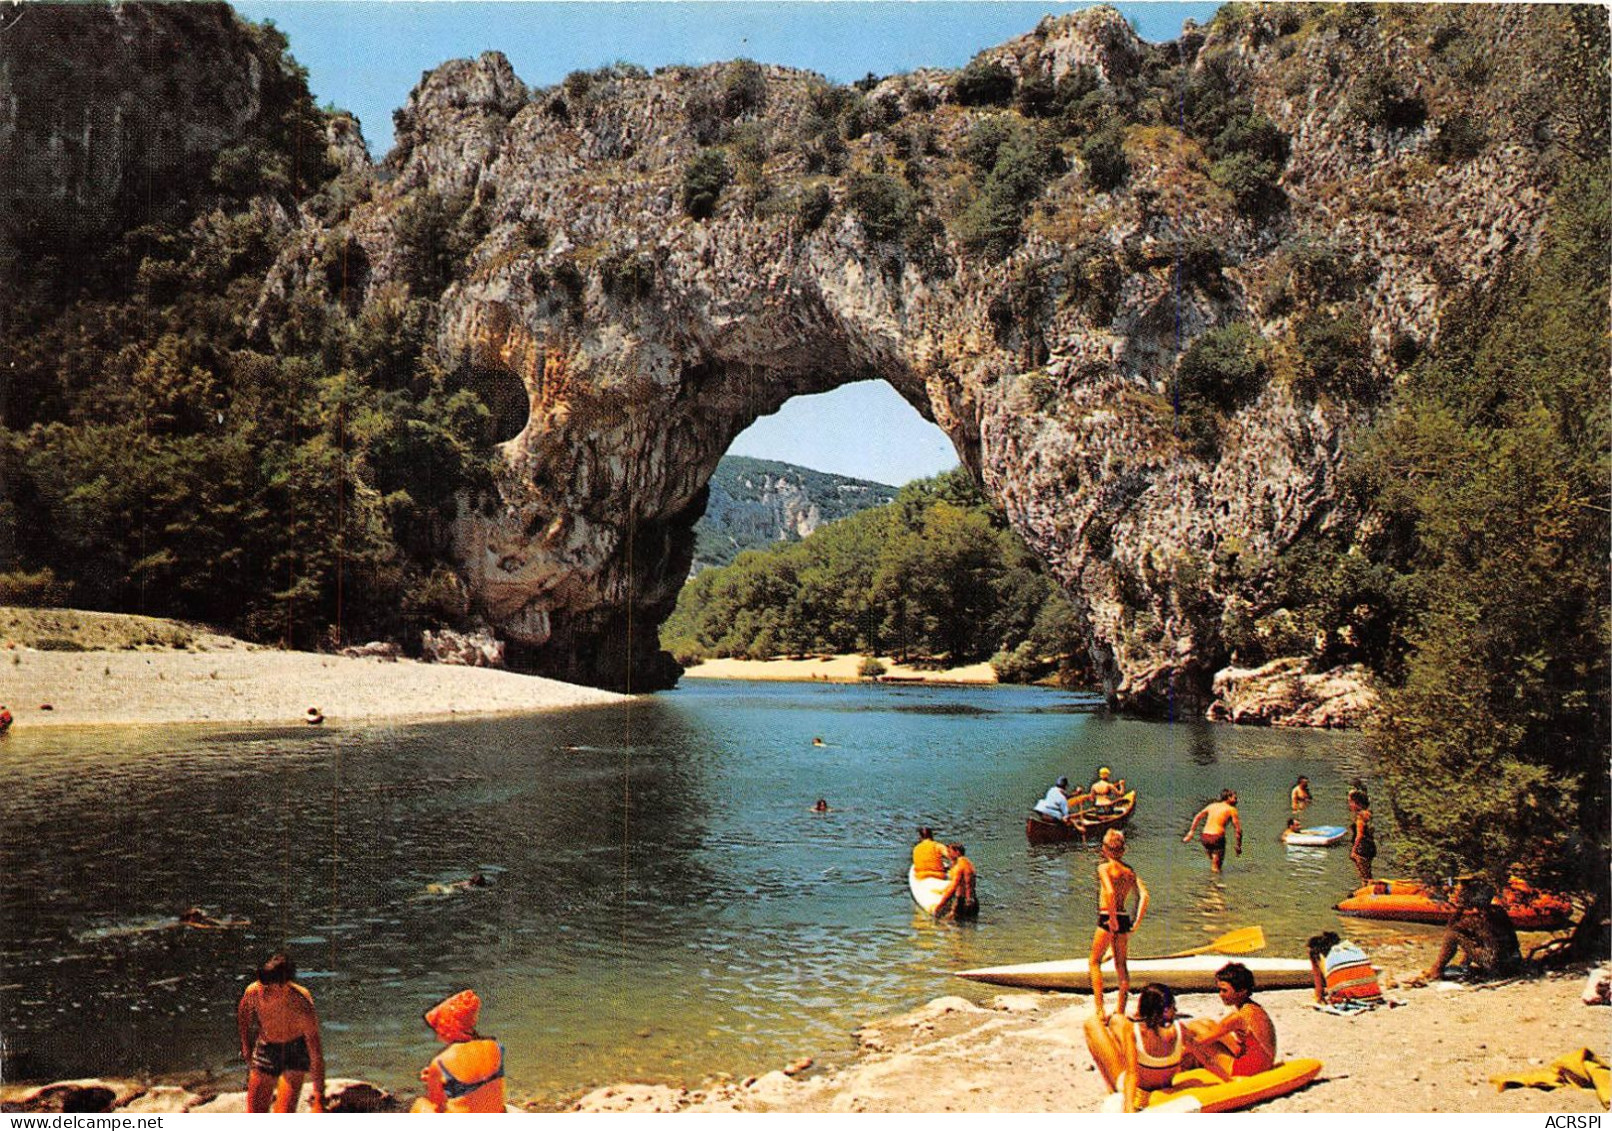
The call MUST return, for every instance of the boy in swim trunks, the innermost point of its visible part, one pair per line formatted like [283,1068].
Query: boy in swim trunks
[1242,1043]
[1215,816]
[1116,880]
[280,1039]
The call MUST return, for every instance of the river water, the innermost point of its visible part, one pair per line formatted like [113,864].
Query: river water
[663,904]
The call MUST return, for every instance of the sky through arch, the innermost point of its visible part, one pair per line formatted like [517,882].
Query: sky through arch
[365,56]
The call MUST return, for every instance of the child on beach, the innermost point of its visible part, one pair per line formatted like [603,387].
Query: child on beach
[1116,880]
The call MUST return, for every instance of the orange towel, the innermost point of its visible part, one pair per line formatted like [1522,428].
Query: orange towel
[1581,1069]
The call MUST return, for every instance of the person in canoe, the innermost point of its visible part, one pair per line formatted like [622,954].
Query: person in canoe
[960,899]
[1215,817]
[1144,1055]
[928,856]
[1055,805]
[1300,797]
[1243,1042]
[1116,882]
[1363,848]
[1482,932]
[1104,793]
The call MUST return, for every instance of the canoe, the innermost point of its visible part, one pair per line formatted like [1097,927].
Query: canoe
[1093,818]
[927,892]
[1320,836]
[1199,1090]
[1407,901]
[1192,974]
[1044,830]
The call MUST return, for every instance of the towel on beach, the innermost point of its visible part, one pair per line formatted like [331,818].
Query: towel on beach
[1350,1008]
[1581,1069]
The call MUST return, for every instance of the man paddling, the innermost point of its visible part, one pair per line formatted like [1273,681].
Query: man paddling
[1215,817]
[1055,805]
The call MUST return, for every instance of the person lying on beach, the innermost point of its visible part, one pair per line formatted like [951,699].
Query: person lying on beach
[1116,881]
[1215,817]
[280,1040]
[1482,931]
[1144,1055]
[1243,1042]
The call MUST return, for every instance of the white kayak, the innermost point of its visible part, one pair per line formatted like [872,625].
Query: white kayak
[1320,836]
[927,892]
[1193,973]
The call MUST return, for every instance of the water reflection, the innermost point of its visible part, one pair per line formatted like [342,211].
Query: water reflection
[662,902]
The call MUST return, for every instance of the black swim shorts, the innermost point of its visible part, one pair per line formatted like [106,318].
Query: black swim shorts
[1214,843]
[1124,923]
[272,1058]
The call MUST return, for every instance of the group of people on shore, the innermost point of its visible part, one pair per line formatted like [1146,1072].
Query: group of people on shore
[932,860]
[280,1043]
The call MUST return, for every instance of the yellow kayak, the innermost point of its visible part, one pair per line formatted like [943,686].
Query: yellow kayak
[1199,1090]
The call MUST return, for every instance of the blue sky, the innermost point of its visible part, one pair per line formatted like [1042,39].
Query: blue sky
[365,56]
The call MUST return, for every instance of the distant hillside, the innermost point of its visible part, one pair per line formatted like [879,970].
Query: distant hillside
[757,502]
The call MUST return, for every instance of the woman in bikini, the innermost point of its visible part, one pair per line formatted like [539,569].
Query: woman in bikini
[1364,848]
[1144,1055]
[1116,880]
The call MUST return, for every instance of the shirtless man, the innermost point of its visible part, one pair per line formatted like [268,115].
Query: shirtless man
[960,884]
[1215,816]
[1116,880]
[1242,1043]
[280,1037]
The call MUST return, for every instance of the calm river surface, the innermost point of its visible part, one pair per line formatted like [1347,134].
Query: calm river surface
[663,905]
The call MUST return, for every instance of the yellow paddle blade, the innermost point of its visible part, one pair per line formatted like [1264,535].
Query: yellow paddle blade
[1240,941]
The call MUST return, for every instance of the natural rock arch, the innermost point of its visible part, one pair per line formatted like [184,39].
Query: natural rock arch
[647,338]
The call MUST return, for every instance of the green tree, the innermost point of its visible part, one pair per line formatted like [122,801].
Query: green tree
[1493,480]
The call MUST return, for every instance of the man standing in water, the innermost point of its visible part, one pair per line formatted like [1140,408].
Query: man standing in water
[280,1038]
[1215,816]
[1116,880]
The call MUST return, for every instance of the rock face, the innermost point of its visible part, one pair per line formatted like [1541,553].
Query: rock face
[629,317]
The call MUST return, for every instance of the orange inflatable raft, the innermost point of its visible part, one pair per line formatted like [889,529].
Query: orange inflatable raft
[1408,901]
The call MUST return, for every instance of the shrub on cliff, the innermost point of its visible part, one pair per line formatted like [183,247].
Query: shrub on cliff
[1490,482]
[1225,367]
[1103,154]
[984,82]
[883,205]
[703,181]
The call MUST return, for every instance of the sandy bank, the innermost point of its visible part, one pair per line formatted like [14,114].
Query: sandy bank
[241,685]
[835,669]
[1022,1052]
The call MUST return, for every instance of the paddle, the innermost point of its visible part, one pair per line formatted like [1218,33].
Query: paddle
[1240,941]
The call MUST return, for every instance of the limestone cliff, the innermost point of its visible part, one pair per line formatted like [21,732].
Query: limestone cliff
[646,339]
[1150,292]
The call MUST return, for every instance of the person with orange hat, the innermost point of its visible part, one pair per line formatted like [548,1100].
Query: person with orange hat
[468,1075]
